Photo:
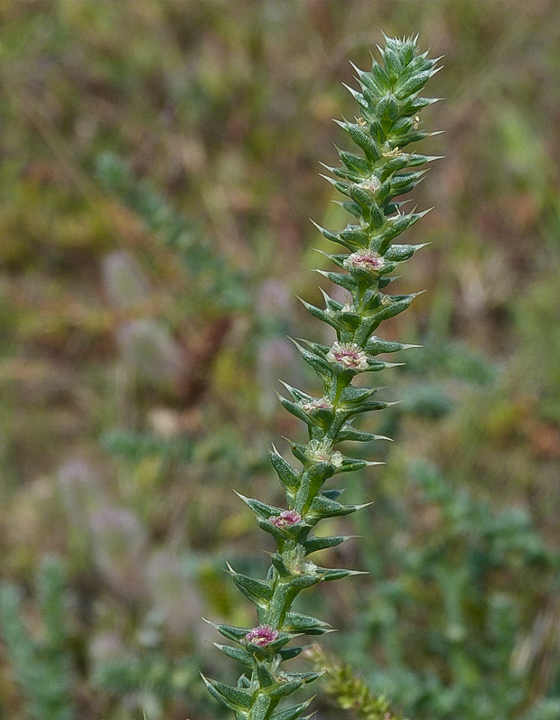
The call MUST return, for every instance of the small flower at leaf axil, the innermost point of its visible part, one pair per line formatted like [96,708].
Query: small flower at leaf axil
[365,260]
[349,355]
[317,404]
[262,635]
[321,451]
[286,518]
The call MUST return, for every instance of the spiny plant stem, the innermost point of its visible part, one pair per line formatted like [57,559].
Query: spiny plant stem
[389,102]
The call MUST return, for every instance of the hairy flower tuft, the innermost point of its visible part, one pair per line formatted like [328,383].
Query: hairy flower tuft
[321,451]
[286,518]
[261,635]
[349,355]
[317,404]
[371,183]
[388,151]
[365,260]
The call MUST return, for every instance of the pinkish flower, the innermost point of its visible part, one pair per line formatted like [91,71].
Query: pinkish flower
[349,355]
[365,260]
[286,518]
[261,635]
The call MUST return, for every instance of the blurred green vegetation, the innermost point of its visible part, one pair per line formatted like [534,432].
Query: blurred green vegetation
[158,165]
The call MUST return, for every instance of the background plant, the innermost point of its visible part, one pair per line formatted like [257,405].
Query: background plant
[226,109]
[456,587]
[44,666]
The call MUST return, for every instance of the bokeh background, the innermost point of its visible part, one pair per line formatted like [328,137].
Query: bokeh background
[159,162]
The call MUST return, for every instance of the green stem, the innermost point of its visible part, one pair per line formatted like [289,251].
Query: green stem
[389,103]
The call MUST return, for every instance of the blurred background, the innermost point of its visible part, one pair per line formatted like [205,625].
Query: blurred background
[159,162]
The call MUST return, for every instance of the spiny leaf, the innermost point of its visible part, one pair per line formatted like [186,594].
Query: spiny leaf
[399,253]
[354,162]
[324,507]
[293,712]
[266,679]
[360,196]
[364,141]
[285,689]
[234,698]
[338,573]
[353,464]
[261,509]
[376,345]
[332,493]
[305,677]
[298,395]
[257,591]
[295,410]
[348,432]
[357,238]
[291,652]
[237,654]
[318,364]
[286,473]
[413,85]
[345,281]
[230,632]
[314,544]
[354,395]
[298,623]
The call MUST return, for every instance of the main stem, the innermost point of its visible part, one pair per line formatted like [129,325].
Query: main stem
[371,181]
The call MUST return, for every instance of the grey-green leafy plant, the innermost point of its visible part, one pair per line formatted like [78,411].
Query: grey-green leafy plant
[462,612]
[371,180]
[43,666]
[216,284]
[348,688]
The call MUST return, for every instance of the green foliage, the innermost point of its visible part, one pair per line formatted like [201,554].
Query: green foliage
[389,102]
[348,689]
[136,446]
[459,609]
[43,666]
[148,680]
[214,281]
[539,330]
[221,110]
